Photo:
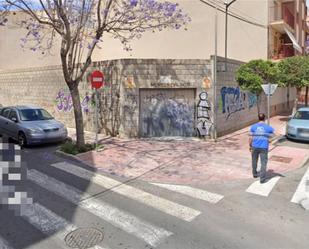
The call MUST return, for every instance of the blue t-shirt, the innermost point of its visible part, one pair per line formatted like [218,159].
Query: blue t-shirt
[260,133]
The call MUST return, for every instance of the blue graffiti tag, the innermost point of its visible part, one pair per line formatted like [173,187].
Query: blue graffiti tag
[235,100]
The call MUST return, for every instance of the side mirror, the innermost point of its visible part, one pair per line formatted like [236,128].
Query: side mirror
[14,119]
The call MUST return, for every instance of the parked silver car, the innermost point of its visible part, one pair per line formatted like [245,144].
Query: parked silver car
[30,125]
[298,126]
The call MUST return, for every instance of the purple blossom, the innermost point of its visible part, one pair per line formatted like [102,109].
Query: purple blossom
[133,3]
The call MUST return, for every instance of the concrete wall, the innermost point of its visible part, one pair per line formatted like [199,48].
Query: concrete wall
[245,41]
[236,112]
[119,103]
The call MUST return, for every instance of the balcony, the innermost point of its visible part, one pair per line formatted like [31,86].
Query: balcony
[280,20]
[286,50]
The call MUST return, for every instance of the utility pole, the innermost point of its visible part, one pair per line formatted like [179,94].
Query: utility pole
[215,78]
[227,5]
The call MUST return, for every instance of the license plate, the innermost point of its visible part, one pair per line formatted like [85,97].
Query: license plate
[303,134]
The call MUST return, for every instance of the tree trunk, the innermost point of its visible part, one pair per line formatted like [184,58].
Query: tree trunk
[258,104]
[78,114]
[306,96]
[288,97]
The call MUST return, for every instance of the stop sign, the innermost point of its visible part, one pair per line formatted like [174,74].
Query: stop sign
[97,79]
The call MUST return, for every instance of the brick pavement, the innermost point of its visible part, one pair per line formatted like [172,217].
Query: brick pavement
[190,161]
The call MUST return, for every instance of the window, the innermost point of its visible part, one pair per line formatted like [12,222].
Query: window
[13,114]
[5,112]
[302,115]
[34,114]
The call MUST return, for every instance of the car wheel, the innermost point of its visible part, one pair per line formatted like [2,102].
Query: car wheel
[22,140]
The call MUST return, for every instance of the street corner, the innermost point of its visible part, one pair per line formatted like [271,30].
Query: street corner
[283,159]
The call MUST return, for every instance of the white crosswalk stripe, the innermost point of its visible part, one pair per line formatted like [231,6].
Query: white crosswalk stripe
[192,192]
[4,244]
[166,206]
[302,191]
[143,230]
[49,223]
[263,189]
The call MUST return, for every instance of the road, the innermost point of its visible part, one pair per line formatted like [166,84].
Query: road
[68,195]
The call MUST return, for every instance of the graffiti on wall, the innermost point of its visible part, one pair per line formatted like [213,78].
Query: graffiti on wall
[165,115]
[64,102]
[204,122]
[234,100]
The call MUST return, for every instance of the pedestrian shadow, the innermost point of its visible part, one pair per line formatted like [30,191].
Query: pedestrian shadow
[271,174]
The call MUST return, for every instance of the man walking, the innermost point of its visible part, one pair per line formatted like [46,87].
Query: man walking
[259,144]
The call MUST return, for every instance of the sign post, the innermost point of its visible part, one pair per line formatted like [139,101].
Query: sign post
[269,90]
[97,79]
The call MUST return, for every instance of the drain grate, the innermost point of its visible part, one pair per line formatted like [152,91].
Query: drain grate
[83,238]
[281,159]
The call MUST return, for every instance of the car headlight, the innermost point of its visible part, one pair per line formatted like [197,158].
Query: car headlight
[63,129]
[35,130]
[291,129]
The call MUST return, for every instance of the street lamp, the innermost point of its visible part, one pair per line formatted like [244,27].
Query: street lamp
[227,5]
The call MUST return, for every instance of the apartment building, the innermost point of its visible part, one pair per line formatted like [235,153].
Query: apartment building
[288,28]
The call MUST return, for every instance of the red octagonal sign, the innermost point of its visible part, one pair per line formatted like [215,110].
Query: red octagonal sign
[97,79]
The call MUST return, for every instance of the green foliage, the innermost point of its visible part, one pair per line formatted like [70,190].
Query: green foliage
[70,147]
[294,71]
[253,74]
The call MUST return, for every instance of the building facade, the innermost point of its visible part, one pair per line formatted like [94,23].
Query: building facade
[164,87]
[288,28]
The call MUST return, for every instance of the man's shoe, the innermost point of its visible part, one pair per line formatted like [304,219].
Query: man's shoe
[263,181]
[255,176]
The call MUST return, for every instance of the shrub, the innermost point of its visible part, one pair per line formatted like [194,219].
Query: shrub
[70,147]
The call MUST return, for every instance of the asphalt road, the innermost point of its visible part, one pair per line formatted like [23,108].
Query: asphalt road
[137,215]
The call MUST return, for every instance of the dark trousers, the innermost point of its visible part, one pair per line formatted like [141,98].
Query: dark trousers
[263,153]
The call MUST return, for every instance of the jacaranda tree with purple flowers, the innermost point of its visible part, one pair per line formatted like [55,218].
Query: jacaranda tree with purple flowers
[80,26]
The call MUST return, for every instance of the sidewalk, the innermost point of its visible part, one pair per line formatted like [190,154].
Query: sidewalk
[190,161]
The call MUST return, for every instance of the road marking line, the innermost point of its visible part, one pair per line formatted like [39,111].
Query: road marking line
[166,206]
[48,222]
[301,191]
[192,192]
[263,189]
[129,223]
[4,244]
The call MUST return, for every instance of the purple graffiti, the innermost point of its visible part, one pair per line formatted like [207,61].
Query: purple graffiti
[64,102]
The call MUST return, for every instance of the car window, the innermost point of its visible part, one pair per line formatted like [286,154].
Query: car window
[302,115]
[5,112]
[13,114]
[34,114]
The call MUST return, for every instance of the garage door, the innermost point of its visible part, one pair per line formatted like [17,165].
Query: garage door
[167,112]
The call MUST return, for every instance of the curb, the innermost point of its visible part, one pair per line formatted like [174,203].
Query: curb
[73,157]
[276,139]
[304,162]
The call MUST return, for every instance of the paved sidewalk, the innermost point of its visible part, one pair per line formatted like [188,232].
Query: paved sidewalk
[191,161]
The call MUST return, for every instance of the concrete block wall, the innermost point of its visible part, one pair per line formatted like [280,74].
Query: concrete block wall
[233,112]
[157,74]
[46,87]
[119,103]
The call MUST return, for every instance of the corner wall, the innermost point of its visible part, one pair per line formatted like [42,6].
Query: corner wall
[237,108]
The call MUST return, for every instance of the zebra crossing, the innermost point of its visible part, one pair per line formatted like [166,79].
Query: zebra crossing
[52,224]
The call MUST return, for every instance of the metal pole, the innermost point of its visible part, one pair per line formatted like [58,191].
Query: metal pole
[227,5]
[268,104]
[226,16]
[215,77]
[96,119]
